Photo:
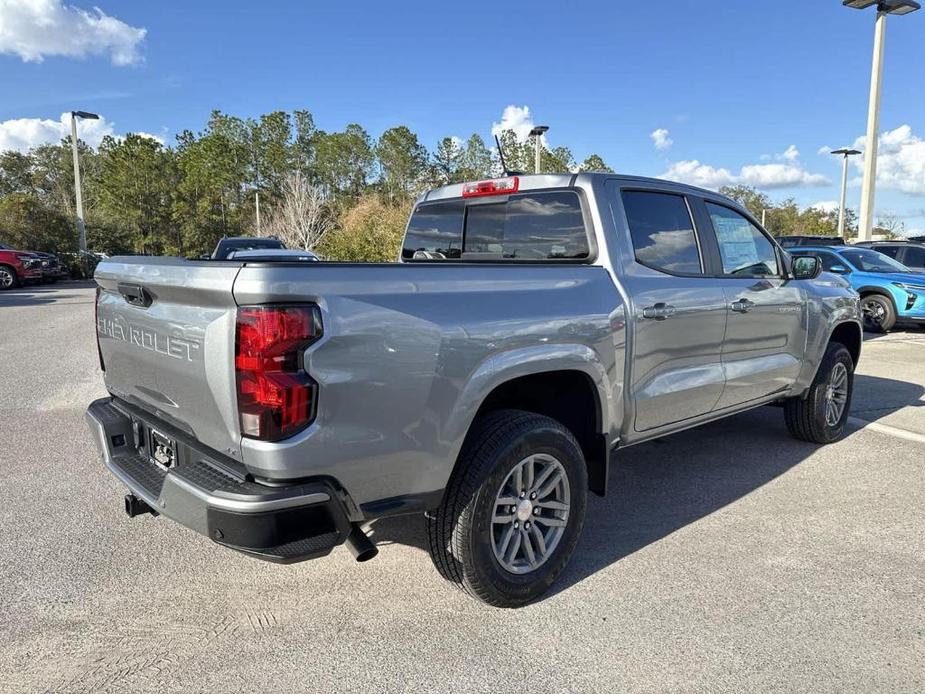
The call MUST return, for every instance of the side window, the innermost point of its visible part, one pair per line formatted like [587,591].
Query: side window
[892,251]
[662,232]
[744,250]
[914,257]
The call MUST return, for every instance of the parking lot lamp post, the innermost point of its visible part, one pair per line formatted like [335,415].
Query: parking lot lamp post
[844,186]
[81,229]
[884,8]
[537,134]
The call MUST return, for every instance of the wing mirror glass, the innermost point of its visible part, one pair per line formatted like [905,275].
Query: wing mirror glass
[806,267]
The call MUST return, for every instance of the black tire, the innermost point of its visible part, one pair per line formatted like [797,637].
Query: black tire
[806,417]
[8,277]
[878,313]
[461,530]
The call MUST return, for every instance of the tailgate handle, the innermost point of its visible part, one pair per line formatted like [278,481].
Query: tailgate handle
[135,294]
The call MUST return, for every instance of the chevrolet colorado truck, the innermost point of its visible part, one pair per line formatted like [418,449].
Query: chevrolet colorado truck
[534,326]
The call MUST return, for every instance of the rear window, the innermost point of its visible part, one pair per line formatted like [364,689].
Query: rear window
[529,226]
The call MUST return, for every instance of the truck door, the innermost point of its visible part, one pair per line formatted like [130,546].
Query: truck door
[678,311]
[766,329]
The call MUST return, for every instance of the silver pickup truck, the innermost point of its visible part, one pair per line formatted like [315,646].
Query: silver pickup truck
[534,326]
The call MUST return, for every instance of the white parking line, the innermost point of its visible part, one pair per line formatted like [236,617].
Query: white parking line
[887,429]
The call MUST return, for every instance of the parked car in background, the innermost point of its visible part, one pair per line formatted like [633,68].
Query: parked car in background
[52,269]
[18,267]
[890,292]
[534,326]
[230,244]
[909,253]
[791,241]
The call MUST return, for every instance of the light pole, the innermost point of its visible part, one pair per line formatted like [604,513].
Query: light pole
[81,229]
[537,133]
[844,186]
[884,7]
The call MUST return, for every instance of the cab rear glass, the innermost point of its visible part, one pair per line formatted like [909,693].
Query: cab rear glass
[532,226]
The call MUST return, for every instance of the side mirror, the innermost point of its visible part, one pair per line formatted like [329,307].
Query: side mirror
[806,267]
[840,270]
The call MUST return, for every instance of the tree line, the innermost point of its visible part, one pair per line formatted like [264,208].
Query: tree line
[342,193]
[788,218]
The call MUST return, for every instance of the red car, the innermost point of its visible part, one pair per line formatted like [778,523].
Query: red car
[17,267]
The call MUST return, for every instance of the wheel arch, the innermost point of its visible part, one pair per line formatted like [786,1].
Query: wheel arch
[882,291]
[849,334]
[565,382]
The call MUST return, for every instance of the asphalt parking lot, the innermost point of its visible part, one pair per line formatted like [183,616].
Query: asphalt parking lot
[728,558]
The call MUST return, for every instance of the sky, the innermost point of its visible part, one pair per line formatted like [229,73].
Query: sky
[710,93]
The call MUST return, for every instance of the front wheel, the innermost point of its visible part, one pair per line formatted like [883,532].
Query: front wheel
[878,313]
[821,416]
[8,278]
[513,511]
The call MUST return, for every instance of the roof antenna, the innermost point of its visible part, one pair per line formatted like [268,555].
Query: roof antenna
[503,165]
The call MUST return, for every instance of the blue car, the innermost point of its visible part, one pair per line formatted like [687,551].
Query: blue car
[890,292]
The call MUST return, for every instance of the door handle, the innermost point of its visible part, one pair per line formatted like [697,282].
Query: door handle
[742,305]
[659,311]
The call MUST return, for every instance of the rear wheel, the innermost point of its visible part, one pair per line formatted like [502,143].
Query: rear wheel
[821,416]
[513,511]
[8,278]
[878,313]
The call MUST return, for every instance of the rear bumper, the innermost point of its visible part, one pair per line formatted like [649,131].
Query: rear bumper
[277,523]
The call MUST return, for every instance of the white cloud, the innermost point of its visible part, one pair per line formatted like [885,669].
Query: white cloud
[766,176]
[780,176]
[791,154]
[660,139]
[516,118]
[35,29]
[698,174]
[825,206]
[900,160]
[21,134]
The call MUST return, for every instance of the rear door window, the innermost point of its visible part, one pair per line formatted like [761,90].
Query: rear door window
[662,232]
[892,251]
[545,225]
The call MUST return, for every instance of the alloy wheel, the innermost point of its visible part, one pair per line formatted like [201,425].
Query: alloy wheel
[836,394]
[530,513]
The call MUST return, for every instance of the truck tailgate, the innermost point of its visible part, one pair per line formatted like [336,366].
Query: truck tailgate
[166,330]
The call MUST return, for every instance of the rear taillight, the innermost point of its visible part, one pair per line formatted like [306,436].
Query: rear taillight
[496,186]
[276,398]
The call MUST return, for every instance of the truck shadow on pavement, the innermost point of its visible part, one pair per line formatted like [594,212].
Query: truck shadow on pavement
[659,487]
[32,295]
